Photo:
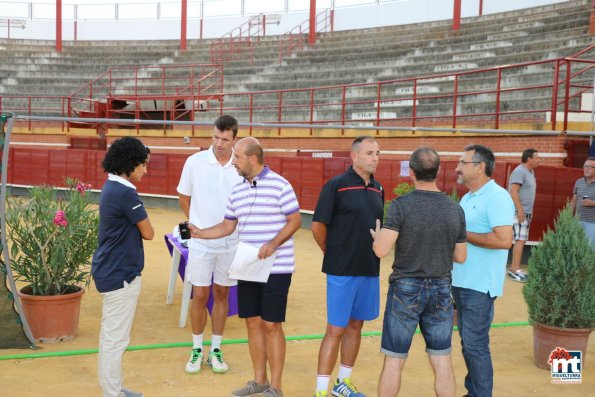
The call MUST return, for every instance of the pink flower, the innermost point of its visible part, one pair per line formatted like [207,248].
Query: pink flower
[60,219]
[83,187]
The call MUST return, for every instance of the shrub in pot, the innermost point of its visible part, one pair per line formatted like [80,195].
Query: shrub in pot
[51,242]
[560,291]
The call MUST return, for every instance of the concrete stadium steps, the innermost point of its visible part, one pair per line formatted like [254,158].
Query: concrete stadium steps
[318,57]
[331,61]
[312,67]
[357,56]
[393,92]
[35,68]
[471,27]
[463,39]
[88,60]
[483,103]
[343,73]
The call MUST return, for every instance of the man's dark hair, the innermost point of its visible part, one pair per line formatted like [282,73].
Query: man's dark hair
[591,158]
[425,162]
[226,122]
[360,139]
[124,155]
[485,155]
[528,154]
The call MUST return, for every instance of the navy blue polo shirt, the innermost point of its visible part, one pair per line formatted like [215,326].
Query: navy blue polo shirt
[349,208]
[119,256]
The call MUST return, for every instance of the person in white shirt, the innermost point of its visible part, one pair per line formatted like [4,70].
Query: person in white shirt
[206,182]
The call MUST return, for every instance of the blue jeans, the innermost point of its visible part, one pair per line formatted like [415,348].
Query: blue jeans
[475,312]
[589,228]
[413,301]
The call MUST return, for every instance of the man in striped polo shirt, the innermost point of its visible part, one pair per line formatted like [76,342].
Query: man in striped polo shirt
[266,212]
[583,199]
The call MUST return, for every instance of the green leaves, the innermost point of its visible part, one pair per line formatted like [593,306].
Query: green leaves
[47,252]
[561,288]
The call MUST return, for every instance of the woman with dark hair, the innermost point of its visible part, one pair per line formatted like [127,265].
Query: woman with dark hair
[119,259]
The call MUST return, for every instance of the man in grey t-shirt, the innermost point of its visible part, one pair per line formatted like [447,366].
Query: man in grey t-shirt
[583,199]
[429,231]
[522,186]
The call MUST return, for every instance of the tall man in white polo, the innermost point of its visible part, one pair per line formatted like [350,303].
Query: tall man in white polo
[206,182]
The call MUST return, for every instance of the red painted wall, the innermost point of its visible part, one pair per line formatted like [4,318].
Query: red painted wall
[307,176]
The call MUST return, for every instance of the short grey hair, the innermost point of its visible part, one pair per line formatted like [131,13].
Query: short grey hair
[485,155]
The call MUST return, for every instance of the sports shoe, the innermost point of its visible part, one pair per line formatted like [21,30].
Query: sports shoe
[215,361]
[321,393]
[194,363]
[251,389]
[129,393]
[270,392]
[346,389]
[519,276]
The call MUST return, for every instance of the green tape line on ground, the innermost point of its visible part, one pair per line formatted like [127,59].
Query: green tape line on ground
[207,343]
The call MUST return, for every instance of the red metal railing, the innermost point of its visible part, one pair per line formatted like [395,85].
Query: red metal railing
[174,91]
[234,45]
[134,81]
[545,92]
[38,105]
[484,97]
[296,38]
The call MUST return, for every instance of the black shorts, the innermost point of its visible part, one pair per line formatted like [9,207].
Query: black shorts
[267,300]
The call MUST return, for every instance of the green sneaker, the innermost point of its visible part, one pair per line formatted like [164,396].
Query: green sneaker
[194,363]
[321,393]
[215,361]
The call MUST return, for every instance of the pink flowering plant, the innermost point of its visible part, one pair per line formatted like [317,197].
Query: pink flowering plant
[53,235]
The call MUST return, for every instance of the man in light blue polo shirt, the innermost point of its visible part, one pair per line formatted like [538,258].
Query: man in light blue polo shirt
[489,213]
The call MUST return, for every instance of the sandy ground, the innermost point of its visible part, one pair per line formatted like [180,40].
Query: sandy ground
[160,372]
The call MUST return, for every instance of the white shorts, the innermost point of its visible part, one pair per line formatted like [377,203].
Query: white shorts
[208,267]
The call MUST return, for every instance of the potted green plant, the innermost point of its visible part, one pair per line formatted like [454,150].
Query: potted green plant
[560,292]
[51,242]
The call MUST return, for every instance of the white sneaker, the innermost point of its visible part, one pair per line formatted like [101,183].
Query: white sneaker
[215,360]
[519,276]
[194,363]
[129,393]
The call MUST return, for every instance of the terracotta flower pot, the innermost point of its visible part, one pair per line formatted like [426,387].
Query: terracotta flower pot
[52,318]
[547,338]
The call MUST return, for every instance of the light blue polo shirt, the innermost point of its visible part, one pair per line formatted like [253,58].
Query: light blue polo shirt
[485,269]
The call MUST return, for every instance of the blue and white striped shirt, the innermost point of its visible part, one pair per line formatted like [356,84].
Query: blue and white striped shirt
[261,210]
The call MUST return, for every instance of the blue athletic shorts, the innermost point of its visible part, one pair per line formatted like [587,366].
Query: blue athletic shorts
[351,297]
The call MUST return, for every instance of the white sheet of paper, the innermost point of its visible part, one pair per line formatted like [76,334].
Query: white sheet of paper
[404,168]
[246,265]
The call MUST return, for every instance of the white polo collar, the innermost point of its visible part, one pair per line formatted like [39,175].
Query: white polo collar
[119,179]
[213,159]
